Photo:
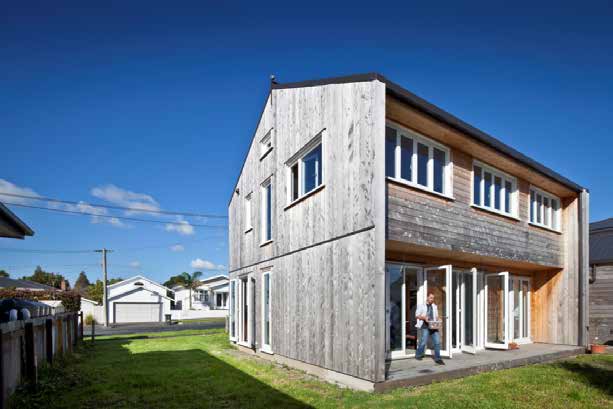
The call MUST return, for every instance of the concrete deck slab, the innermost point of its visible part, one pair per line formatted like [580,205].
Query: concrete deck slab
[410,372]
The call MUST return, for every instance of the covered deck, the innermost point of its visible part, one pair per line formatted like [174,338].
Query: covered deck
[410,372]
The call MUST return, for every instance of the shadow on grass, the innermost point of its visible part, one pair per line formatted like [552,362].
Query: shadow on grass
[118,375]
[598,375]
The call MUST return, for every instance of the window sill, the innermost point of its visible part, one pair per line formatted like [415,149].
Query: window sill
[304,196]
[248,230]
[266,243]
[267,351]
[540,226]
[265,154]
[496,212]
[419,187]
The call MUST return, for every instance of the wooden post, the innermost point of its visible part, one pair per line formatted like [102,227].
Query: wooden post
[49,339]
[30,357]
[81,325]
[75,328]
[1,374]
[93,331]
[60,336]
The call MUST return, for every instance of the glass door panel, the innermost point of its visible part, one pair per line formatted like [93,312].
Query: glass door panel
[395,290]
[402,288]
[437,281]
[411,287]
[496,310]
[469,311]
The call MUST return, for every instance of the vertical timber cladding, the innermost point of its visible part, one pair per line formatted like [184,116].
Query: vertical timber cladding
[421,219]
[327,253]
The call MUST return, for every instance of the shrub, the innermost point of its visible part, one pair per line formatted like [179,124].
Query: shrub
[89,319]
[71,300]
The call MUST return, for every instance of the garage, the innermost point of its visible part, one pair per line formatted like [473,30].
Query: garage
[137,312]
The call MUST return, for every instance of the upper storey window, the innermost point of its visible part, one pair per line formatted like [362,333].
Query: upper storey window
[266,215]
[266,144]
[544,209]
[494,190]
[416,160]
[306,169]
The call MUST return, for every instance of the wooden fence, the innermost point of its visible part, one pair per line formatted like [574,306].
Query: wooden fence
[26,345]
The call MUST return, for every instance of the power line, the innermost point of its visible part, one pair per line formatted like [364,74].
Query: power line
[134,209]
[114,217]
[40,251]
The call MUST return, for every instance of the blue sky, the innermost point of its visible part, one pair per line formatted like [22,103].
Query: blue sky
[156,104]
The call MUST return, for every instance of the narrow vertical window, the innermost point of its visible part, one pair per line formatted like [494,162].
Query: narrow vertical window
[233,309]
[248,225]
[546,212]
[497,192]
[266,312]
[312,169]
[295,182]
[406,158]
[508,189]
[539,208]
[477,185]
[544,209]
[487,190]
[422,164]
[390,152]
[438,157]
[267,211]
[554,214]
[532,206]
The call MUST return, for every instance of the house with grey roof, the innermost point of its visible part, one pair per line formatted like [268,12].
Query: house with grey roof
[601,282]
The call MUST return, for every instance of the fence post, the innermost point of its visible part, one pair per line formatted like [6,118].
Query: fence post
[49,339]
[1,374]
[30,358]
[81,325]
[60,336]
[93,331]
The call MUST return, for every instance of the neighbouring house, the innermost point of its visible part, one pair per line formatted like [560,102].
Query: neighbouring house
[601,282]
[212,294]
[93,308]
[7,282]
[357,198]
[138,299]
[11,225]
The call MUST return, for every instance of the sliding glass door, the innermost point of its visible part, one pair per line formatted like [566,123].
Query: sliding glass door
[497,310]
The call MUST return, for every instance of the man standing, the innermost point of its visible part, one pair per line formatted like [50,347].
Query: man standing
[427,316]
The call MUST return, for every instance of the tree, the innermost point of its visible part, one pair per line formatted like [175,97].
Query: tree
[174,280]
[50,279]
[3,273]
[95,292]
[191,282]
[82,283]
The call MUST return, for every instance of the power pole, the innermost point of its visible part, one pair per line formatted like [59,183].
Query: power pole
[105,297]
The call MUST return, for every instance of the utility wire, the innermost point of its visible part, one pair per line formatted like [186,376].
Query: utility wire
[134,209]
[113,217]
[40,251]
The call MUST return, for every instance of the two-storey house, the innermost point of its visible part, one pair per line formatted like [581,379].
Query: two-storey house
[358,198]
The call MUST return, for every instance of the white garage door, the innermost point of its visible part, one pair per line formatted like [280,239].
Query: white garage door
[137,312]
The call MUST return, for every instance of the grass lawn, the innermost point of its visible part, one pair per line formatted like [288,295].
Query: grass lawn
[217,320]
[200,369]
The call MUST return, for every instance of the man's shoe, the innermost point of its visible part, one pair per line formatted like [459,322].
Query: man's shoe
[440,362]
[419,358]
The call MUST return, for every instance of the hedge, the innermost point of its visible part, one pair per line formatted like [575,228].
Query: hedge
[71,300]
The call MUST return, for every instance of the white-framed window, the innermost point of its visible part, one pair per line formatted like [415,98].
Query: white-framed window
[266,312]
[305,169]
[417,160]
[266,144]
[494,190]
[545,209]
[248,224]
[233,310]
[266,214]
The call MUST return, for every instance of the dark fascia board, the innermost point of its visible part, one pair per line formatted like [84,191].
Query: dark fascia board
[16,221]
[437,113]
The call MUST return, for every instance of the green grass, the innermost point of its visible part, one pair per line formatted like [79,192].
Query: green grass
[202,370]
[216,320]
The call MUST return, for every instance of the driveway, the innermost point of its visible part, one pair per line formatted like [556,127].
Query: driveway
[126,329]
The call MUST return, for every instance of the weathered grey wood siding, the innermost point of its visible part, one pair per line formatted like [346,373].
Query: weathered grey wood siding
[327,254]
[601,305]
[427,220]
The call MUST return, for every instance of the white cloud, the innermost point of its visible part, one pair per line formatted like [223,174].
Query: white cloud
[8,187]
[96,211]
[177,248]
[201,264]
[135,264]
[183,228]
[126,198]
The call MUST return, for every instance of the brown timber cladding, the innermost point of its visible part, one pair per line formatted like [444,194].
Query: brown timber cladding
[601,305]
[427,220]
